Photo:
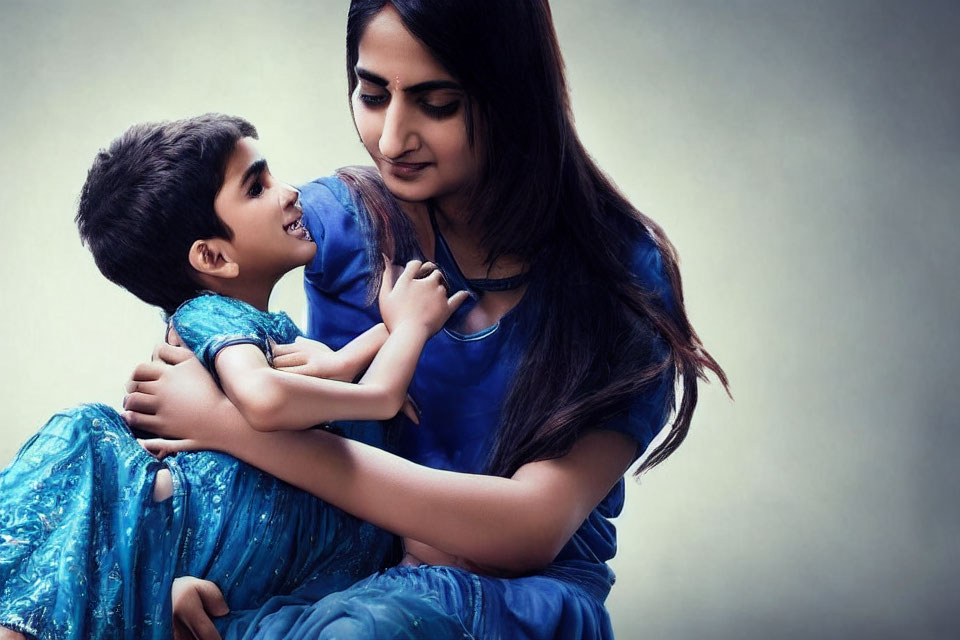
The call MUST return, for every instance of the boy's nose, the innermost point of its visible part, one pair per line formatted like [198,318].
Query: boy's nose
[291,198]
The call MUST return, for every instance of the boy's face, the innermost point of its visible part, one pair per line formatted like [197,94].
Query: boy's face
[264,215]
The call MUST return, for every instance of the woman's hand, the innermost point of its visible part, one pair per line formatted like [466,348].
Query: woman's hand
[174,397]
[195,601]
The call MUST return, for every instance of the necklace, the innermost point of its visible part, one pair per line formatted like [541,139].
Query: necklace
[444,259]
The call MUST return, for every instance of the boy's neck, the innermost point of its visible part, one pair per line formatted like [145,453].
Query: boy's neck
[255,295]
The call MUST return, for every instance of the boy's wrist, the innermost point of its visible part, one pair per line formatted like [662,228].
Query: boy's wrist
[412,329]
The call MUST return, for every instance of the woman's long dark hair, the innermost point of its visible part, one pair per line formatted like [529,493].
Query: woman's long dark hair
[542,199]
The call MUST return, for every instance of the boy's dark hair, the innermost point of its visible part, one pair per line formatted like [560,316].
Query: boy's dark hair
[149,196]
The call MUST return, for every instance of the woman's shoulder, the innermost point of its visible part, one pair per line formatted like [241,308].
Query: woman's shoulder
[335,219]
[326,202]
[646,263]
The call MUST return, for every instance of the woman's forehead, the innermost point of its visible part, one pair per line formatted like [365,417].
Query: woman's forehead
[388,50]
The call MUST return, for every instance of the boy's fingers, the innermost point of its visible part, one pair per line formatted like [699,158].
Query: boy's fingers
[202,627]
[426,269]
[457,299]
[196,621]
[181,632]
[389,277]
[410,271]
[282,349]
[194,601]
[297,368]
[285,361]
[212,598]
[436,276]
[410,410]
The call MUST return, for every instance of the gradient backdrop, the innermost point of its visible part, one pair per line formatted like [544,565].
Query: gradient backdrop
[804,156]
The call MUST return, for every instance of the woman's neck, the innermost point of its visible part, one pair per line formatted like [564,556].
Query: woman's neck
[463,237]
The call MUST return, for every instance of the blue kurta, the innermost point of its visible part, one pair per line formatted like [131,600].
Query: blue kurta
[85,552]
[460,385]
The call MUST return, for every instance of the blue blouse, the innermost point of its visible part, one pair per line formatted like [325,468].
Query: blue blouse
[461,381]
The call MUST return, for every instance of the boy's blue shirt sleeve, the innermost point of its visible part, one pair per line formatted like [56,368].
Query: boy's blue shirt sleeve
[209,323]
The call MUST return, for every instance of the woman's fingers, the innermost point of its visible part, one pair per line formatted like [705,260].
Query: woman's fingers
[145,372]
[148,387]
[140,402]
[141,421]
[160,448]
[171,354]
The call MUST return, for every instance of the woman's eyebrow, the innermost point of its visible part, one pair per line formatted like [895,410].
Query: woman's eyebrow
[429,85]
[363,74]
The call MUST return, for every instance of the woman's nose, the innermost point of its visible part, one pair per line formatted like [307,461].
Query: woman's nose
[398,136]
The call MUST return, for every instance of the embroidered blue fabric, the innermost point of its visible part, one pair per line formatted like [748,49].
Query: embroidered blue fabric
[460,385]
[85,552]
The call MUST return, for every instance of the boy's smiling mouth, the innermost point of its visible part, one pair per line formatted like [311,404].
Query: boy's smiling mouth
[297,229]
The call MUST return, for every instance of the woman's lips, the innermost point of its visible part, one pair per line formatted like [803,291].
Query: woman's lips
[406,169]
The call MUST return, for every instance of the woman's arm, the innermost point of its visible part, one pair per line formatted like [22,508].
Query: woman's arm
[510,525]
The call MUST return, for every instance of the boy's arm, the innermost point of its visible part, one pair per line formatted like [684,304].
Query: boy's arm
[273,400]
[312,358]
[270,399]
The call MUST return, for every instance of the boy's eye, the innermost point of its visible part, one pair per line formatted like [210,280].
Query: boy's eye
[255,189]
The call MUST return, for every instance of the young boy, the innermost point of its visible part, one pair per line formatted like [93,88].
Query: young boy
[187,216]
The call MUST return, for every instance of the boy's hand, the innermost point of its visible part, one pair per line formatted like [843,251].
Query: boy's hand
[311,358]
[194,602]
[418,296]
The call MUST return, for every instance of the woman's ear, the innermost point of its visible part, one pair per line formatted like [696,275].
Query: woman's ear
[211,257]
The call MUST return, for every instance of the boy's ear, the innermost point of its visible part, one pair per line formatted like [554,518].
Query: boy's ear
[211,257]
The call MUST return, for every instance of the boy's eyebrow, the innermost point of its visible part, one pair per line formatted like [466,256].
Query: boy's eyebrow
[255,169]
[420,87]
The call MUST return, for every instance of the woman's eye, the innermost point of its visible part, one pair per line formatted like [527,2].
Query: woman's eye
[372,100]
[440,111]
[255,189]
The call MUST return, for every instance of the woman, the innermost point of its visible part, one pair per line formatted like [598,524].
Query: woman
[535,399]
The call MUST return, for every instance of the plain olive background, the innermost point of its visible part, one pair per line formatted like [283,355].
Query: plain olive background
[804,156]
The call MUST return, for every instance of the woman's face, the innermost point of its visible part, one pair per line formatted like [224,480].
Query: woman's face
[410,113]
